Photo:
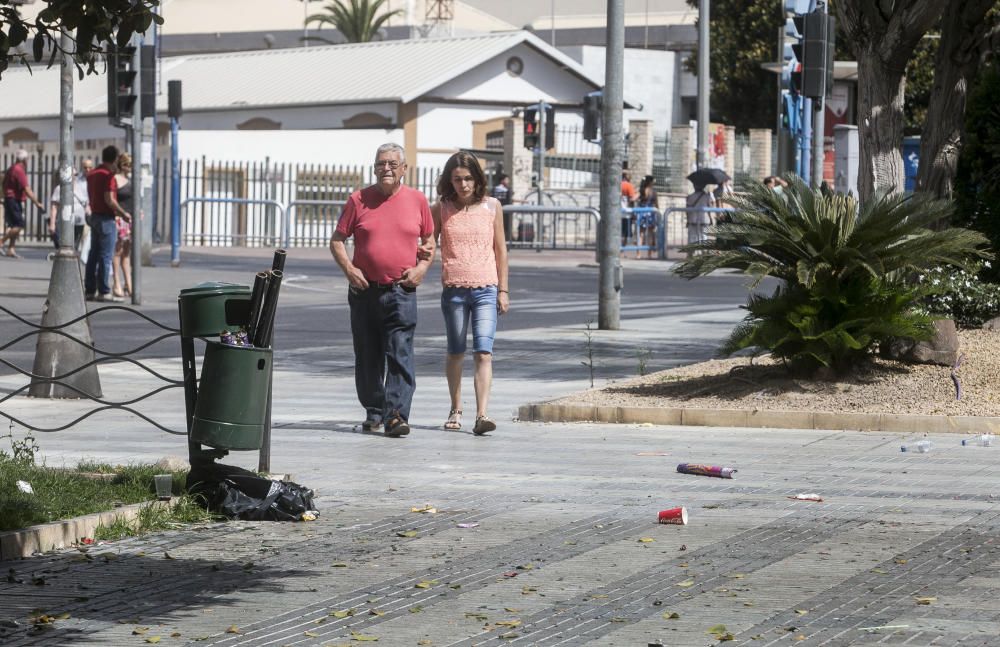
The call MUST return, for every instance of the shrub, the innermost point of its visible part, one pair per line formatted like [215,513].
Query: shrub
[959,294]
[844,271]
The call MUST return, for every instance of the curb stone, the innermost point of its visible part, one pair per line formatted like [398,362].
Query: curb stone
[759,418]
[18,544]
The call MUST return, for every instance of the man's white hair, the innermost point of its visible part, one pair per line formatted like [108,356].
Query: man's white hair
[391,147]
[21,154]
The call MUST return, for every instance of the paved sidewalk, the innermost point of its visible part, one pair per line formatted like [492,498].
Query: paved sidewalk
[545,534]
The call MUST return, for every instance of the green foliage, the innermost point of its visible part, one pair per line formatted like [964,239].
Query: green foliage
[977,178]
[743,36]
[919,85]
[959,294]
[357,20]
[844,270]
[95,24]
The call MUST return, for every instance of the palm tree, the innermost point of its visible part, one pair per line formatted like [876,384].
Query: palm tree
[845,271]
[357,20]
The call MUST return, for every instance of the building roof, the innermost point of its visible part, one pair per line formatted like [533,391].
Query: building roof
[384,71]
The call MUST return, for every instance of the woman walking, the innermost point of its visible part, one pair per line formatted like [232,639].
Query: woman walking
[121,261]
[474,272]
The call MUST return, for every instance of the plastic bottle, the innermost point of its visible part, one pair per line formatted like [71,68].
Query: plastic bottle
[983,440]
[922,447]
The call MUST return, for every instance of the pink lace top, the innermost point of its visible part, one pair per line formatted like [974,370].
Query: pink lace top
[467,256]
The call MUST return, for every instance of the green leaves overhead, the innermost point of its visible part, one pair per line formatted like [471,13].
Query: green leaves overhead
[357,20]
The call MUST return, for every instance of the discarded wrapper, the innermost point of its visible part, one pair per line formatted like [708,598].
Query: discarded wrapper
[706,470]
[25,487]
[806,497]
[678,516]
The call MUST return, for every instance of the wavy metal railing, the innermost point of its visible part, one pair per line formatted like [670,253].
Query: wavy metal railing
[106,358]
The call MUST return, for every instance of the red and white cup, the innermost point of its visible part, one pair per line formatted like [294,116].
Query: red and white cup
[678,516]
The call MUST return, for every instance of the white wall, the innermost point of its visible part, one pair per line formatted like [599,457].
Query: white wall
[649,79]
[349,147]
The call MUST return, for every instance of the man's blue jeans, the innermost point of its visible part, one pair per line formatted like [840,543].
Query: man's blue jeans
[103,236]
[383,320]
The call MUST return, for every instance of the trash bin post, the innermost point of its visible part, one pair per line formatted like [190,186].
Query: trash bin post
[264,460]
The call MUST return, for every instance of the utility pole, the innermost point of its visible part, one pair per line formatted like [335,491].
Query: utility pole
[135,131]
[541,153]
[57,354]
[609,243]
[703,83]
[819,116]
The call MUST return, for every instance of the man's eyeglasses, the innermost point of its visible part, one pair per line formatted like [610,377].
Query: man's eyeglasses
[391,164]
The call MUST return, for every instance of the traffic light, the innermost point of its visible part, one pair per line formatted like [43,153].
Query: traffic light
[592,116]
[121,78]
[550,127]
[818,46]
[530,128]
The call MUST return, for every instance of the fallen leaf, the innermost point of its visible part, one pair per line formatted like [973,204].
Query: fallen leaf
[526,567]
[511,610]
[475,615]
[800,637]
[646,540]
[510,574]
[424,642]
[153,639]
[343,613]
[686,583]
[716,629]
[416,609]
[167,555]
[363,638]
[510,635]
[618,619]
[508,623]
[426,584]
[528,590]
[671,615]
[376,612]
[176,634]
[926,600]
[63,616]
[311,634]
[878,570]
[339,565]
[748,604]
[801,612]
[407,533]
[427,509]
[455,586]
[138,631]
[901,561]
[233,629]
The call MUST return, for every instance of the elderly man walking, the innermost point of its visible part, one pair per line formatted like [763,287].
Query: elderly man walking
[15,188]
[386,220]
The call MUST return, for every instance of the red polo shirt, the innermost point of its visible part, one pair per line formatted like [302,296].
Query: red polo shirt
[100,181]
[14,182]
[386,230]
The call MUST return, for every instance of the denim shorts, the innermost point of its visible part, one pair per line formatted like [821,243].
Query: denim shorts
[459,305]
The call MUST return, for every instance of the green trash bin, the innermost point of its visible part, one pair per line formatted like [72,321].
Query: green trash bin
[209,308]
[231,403]
[232,397]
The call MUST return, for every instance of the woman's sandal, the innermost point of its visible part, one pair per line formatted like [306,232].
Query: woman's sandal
[483,425]
[454,421]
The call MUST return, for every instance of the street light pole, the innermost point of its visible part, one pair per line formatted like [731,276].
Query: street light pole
[609,295]
[57,354]
[704,77]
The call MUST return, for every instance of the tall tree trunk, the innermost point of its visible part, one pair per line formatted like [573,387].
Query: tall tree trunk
[883,34]
[964,32]
[880,126]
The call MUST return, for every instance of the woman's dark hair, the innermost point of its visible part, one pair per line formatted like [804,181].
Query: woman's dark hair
[462,160]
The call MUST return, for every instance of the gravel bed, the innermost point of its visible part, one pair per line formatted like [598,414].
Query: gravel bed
[884,387]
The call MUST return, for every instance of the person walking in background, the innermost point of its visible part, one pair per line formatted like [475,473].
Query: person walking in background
[386,220]
[646,222]
[81,205]
[474,274]
[15,188]
[121,260]
[629,196]
[103,193]
[698,219]
[505,196]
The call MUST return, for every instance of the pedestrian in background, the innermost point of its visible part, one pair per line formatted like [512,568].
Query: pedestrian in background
[698,220]
[104,207]
[121,260]
[386,220]
[505,196]
[629,196]
[646,222]
[81,204]
[15,188]
[474,273]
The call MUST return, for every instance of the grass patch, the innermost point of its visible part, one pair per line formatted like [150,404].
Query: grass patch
[64,493]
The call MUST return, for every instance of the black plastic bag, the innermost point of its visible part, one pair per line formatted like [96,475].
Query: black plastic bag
[240,494]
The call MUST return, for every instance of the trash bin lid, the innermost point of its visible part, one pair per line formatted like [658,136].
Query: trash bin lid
[213,288]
